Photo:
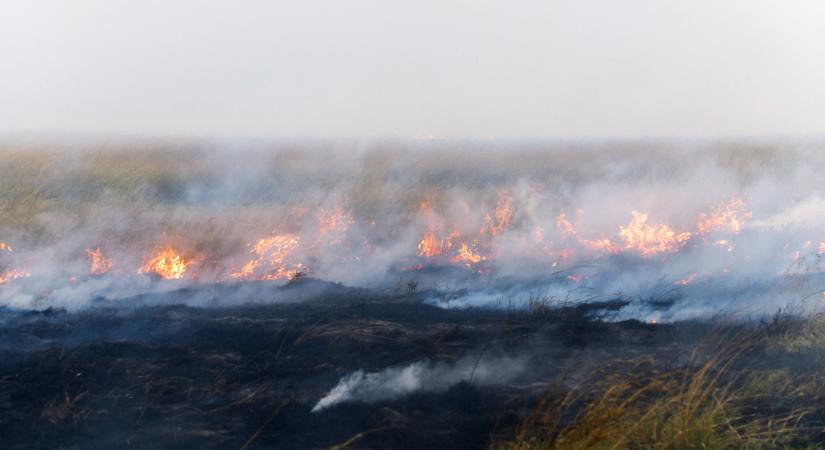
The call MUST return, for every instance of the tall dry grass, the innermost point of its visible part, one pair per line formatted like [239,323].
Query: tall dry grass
[751,388]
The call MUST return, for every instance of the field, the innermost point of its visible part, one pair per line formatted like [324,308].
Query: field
[548,377]
[403,295]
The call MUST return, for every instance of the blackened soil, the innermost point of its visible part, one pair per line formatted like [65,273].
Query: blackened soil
[248,376]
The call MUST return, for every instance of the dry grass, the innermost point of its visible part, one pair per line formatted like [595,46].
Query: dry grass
[733,392]
[212,202]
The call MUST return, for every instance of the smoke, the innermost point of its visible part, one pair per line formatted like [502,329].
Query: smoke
[424,376]
[462,224]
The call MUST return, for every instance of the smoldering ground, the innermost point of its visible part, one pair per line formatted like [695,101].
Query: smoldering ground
[283,375]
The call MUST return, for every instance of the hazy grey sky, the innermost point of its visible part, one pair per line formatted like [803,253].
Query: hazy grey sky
[362,68]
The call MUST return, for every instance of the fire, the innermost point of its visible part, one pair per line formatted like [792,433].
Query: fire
[467,256]
[603,244]
[272,259]
[649,240]
[333,225]
[687,280]
[502,215]
[12,274]
[820,248]
[538,234]
[99,264]
[728,217]
[564,226]
[726,244]
[477,240]
[567,229]
[430,246]
[166,264]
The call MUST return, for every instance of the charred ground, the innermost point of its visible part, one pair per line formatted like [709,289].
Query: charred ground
[248,376]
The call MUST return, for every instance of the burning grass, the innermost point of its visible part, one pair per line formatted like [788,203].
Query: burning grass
[587,238]
[191,214]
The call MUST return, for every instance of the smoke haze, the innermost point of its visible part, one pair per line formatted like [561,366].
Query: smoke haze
[453,69]
[707,227]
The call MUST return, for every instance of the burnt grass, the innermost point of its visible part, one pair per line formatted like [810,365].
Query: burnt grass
[172,376]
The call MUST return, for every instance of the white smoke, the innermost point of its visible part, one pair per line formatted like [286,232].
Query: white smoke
[395,382]
[212,203]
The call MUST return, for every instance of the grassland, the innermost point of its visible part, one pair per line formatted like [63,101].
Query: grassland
[139,376]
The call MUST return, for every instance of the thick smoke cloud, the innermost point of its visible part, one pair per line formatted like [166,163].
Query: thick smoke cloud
[493,224]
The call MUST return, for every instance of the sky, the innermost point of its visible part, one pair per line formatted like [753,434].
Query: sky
[444,69]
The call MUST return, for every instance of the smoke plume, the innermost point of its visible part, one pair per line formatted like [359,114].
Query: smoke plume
[395,382]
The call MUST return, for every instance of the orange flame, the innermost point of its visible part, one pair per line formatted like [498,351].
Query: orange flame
[166,264]
[502,215]
[649,240]
[333,225]
[430,246]
[603,244]
[467,256]
[99,264]
[12,274]
[728,217]
[564,226]
[271,260]
[567,229]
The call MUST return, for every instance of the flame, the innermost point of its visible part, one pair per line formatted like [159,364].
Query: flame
[430,246]
[538,234]
[271,260]
[333,225]
[603,244]
[686,281]
[567,229]
[99,264]
[482,238]
[502,215]
[649,240]
[467,256]
[166,264]
[726,244]
[564,226]
[820,248]
[12,274]
[727,217]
